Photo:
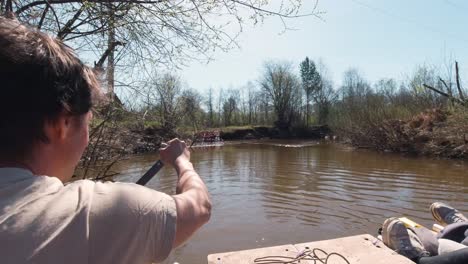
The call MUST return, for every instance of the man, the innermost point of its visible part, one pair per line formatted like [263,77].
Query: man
[45,107]
[423,247]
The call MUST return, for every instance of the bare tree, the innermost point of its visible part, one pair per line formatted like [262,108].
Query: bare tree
[251,102]
[220,106]
[230,107]
[210,103]
[264,106]
[325,95]
[135,36]
[354,86]
[169,89]
[190,107]
[282,87]
[425,74]
[458,98]
[388,88]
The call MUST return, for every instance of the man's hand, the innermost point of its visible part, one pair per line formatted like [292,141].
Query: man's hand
[174,152]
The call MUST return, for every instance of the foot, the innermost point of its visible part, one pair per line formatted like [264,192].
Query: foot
[445,214]
[403,241]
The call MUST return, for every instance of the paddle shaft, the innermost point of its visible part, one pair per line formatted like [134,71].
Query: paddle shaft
[150,173]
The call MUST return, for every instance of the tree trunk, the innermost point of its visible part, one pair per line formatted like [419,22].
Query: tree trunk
[307,109]
[2,6]
[111,58]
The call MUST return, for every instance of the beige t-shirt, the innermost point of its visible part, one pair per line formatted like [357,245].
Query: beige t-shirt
[43,221]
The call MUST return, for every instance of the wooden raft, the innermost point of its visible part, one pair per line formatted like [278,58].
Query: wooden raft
[362,249]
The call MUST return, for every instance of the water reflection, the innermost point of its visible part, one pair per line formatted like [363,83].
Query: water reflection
[271,193]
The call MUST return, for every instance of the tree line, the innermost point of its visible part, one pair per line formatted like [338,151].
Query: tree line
[288,96]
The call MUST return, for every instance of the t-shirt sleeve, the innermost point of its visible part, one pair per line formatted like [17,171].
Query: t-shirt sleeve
[129,223]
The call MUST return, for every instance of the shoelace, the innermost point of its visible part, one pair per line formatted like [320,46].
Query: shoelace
[454,218]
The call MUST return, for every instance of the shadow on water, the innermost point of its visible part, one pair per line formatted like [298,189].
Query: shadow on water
[276,192]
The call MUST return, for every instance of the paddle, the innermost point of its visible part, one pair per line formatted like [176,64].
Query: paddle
[150,173]
[154,170]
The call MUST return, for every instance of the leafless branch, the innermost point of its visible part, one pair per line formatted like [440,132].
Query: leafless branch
[66,29]
[106,54]
[457,100]
[56,2]
[44,13]
[446,86]
[460,92]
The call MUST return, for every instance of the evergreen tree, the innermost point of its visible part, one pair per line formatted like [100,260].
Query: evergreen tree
[311,83]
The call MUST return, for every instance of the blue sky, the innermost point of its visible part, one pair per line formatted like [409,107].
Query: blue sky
[381,38]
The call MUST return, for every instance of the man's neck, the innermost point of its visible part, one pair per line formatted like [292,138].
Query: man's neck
[41,160]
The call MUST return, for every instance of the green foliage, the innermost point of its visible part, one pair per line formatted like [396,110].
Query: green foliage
[311,83]
[311,79]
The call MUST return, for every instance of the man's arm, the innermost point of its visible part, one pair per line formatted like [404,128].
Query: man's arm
[192,199]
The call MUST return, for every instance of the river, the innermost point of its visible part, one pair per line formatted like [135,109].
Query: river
[267,193]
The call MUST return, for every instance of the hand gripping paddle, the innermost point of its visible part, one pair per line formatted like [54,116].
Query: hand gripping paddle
[153,170]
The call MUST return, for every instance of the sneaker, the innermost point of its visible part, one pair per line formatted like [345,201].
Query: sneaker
[445,214]
[403,241]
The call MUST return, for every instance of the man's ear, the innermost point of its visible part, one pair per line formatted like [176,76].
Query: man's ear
[57,129]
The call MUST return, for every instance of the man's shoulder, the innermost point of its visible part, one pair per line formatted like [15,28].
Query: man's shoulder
[108,195]
[129,193]
[110,187]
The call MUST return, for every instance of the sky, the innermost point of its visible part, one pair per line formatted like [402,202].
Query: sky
[381,38]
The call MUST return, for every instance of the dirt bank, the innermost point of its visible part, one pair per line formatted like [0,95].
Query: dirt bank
[149,139]
[435,132]
[259,132]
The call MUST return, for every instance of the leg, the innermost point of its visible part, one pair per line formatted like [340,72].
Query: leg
[405,242]
[444,214]
[456,257]
[447,246]
[428,239]
[456,223]
[455,232]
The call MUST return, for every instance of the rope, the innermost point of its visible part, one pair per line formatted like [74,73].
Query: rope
[309,255]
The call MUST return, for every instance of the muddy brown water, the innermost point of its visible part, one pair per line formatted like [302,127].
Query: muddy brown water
[268,193]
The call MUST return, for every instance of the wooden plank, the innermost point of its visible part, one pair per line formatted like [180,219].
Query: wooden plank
[362,249]
[248,256]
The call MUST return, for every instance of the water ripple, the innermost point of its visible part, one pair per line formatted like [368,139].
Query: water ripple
[292,192]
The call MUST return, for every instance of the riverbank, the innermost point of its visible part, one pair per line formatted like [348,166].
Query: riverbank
[435,132]
[149,139]
[260,132]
